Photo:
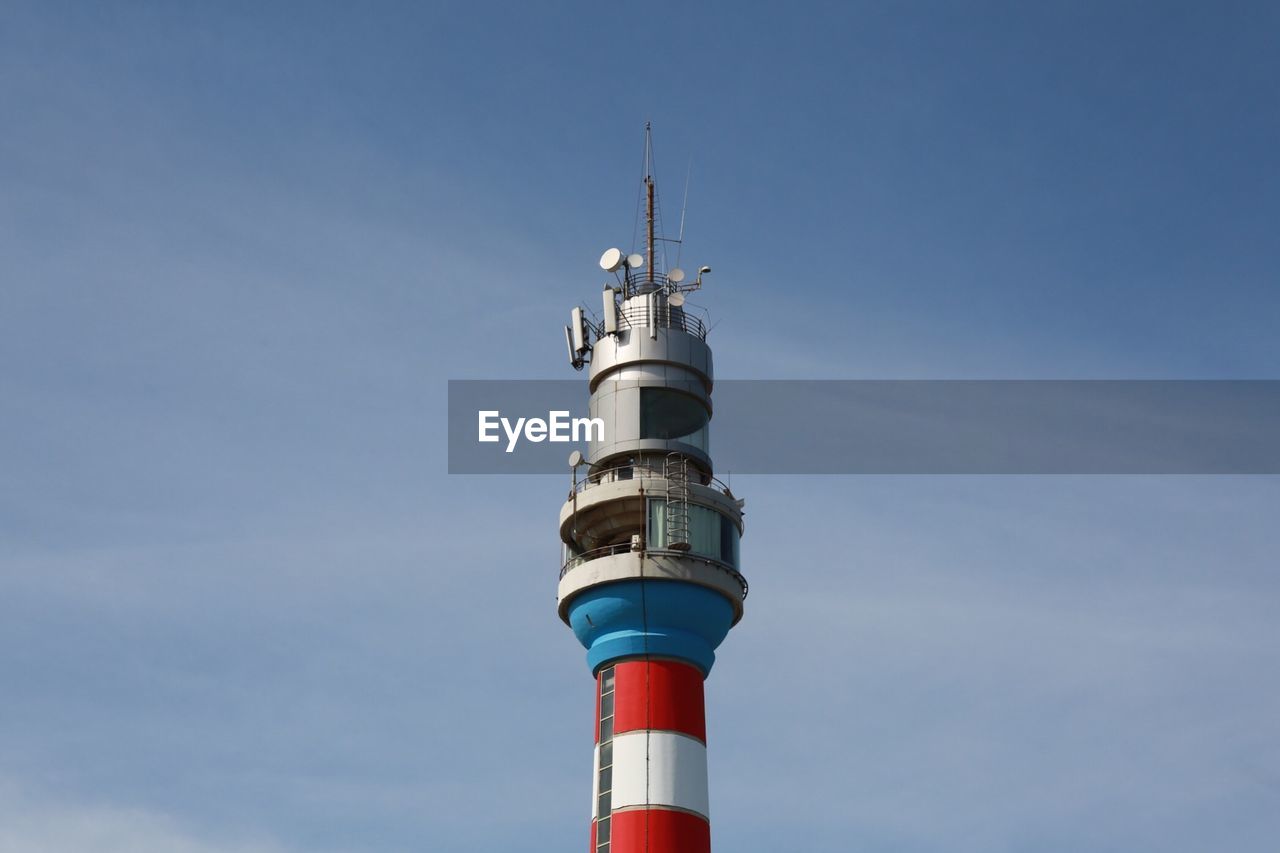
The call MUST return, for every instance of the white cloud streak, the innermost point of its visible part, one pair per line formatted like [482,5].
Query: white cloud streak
[31,823]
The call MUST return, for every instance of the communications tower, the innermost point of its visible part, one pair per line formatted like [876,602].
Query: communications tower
[650,582]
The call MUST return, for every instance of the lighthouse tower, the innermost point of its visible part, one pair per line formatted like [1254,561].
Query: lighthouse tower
[650,582]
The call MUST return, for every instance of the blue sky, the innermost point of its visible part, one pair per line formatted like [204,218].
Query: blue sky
[242,606]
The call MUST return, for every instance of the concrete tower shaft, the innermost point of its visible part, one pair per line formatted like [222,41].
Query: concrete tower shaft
[651,582]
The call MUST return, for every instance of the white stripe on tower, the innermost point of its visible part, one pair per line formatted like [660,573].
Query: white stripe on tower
[595,783]
[660,769]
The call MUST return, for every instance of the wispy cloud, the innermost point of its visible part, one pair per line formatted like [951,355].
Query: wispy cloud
[32,822]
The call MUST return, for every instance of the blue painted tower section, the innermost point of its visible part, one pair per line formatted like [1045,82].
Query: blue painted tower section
[651,618]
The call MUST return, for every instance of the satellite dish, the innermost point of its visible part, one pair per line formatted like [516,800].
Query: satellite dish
[611,260]
[635,261]
[675,276]
[575,458]
[676,299]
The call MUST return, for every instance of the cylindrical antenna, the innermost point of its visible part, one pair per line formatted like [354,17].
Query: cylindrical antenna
[649,184]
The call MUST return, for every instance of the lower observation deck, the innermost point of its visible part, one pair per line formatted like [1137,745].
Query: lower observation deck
[621,563]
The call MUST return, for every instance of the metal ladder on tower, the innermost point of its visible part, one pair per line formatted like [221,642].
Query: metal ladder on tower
[677,477]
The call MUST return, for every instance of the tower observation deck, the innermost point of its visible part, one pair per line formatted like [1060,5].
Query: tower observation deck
[651,580]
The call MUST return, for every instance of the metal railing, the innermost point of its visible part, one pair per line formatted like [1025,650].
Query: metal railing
[594,554]
[638,283]
[625,547]
[637,471]
[666,316]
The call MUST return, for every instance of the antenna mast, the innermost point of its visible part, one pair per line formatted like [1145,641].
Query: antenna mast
[648,184]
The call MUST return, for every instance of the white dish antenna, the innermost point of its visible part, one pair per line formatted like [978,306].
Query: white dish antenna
[635,261]
[575,459]
[676,299]
[611,260]
[675,276]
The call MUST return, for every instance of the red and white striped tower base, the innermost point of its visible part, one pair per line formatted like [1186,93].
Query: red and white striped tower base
[650,759]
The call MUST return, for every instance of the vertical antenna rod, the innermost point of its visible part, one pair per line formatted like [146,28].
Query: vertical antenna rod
[684,207]
[648,183]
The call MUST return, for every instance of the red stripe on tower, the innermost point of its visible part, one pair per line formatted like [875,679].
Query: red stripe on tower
[651,760]
[660,694]
[660,830]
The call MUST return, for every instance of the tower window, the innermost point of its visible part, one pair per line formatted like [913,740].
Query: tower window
[673,416]
[710,533]
[604,772]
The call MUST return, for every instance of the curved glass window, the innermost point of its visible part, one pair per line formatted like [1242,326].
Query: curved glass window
[569,552]
[673,416]
[710,533]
